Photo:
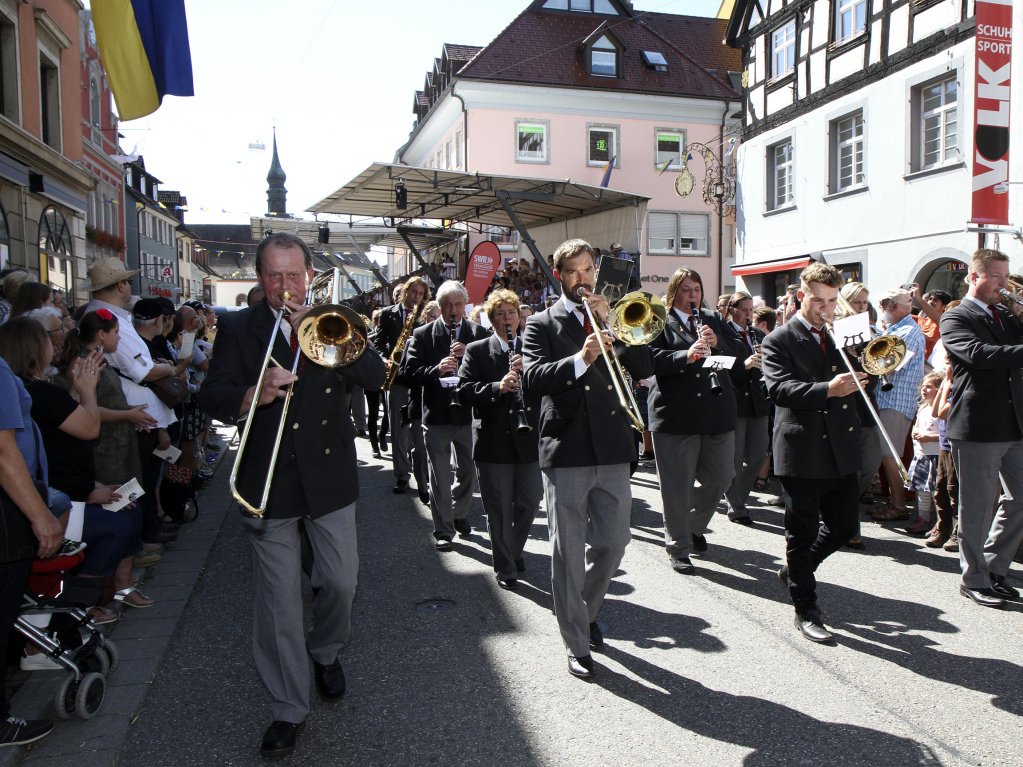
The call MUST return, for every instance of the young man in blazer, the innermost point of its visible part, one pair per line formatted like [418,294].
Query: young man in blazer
[431,361]
[984,343]
[586,447]
[507,460]
[692,418]
[408,453]
[752,408]
[314,485]
[816,440]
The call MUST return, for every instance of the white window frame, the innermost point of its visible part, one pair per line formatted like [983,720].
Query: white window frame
[850,10]
[659,158]
[677,224]
[615,131]
[786,167]
[783,47]
[603,46]
[531,125]
[458,150]
[849,150]
[11,106]
[947,113]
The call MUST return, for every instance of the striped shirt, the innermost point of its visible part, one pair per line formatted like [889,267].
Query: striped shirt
[905,392]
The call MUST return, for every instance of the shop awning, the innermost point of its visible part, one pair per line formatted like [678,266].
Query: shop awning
[763,267]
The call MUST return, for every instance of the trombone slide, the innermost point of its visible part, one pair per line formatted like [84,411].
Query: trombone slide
[617,373]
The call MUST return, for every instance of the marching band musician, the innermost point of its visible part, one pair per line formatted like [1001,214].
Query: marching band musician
[507,460]
[752,407]
[433,353]
[984,343]
[408,453]
[318,443]
[586,446]
[693,427]
[816,440]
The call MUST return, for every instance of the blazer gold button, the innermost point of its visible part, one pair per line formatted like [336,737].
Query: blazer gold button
[851,428]
[609,387]
[294,426]
[699,394]
[324,422]
[845,407]
[327,451]
[587,388]
[697,375]
[570,383]
[511,412]
[825,436]
[328,390]
[612,412]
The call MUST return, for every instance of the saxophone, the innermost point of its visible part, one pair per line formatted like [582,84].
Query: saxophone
[399,347]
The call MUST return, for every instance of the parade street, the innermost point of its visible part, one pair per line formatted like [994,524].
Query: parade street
[446,668]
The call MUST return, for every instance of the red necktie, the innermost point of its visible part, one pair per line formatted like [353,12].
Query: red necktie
[998,318]
[745,337]
[294,350]
[587,327]
[692,326]
[821,336]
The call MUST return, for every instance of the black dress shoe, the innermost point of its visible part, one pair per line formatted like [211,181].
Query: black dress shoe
[463,528]
[581,667]
[699,544]
[985,597]
[811,626]
[856,545]
[424,496]
[520,565]
[330,680]
[279,738]
[443,544]
[744,521]
[1003,589]
[508,584]
[683,565]
[400,486]
[596,636]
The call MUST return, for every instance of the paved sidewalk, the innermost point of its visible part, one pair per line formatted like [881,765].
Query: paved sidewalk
[142,637]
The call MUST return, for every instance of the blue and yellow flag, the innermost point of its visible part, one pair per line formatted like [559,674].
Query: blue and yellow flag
[607,172]
[144,47]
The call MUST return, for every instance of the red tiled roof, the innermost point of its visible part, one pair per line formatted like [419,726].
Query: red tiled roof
[540,47]
[461,52]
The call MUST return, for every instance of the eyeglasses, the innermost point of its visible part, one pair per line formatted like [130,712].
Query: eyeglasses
[56,330]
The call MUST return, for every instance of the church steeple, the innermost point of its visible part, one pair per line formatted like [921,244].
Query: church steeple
[276,194]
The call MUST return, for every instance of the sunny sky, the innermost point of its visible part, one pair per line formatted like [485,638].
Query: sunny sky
[336,76]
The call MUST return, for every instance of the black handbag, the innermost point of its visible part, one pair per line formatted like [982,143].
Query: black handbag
[170,390]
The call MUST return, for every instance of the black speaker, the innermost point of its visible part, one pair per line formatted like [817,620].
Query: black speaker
[400,196]
[323,236]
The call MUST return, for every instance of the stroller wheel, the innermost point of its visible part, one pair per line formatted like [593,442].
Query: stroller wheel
[109,649]
[190,511]
[64,698]
[90,695]
[97,661]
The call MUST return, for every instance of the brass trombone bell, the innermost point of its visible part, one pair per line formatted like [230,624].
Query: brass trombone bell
[332,335]
[882,354]
[638,318]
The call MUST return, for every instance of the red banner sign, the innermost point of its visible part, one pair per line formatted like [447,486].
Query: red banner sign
[483,265]
[991,112]
[157,291]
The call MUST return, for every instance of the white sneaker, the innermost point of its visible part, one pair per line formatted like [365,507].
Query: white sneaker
[39,662]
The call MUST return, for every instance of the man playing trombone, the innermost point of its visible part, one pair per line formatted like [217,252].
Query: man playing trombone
[586,446]
[816,440]
[314,483]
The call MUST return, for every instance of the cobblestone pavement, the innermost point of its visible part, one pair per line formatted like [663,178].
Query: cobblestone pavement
[444,667]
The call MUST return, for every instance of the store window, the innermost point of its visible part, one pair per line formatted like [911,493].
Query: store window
[55,251]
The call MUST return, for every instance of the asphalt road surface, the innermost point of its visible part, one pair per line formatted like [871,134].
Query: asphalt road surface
[446,668]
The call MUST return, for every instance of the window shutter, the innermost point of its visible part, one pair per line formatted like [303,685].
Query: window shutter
[693,226]
[662,226]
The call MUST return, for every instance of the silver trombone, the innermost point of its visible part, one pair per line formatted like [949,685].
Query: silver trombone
[636,319]
[330,335]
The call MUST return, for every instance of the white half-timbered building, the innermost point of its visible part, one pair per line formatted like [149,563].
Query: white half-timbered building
[857,142]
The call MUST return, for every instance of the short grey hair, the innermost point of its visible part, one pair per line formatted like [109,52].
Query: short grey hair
[140,323]
[40,314]
[449,287]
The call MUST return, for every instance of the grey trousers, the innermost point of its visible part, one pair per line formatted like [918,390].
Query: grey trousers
[280,644]
[589,512]
[447,502]
[681,459]
[511,498]
[751,440]
[870,460]
[988,545]
[357,404]
[408,449]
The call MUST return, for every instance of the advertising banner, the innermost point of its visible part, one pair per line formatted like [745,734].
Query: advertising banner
[991,111]
[483,265]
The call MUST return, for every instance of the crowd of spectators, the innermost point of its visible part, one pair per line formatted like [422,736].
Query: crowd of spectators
[108,392]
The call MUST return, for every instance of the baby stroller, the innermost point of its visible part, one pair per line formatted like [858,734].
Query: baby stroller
[54,618]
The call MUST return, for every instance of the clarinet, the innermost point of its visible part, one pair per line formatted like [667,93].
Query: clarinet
[515,347]
[756,350]
[453,397]
[715,384]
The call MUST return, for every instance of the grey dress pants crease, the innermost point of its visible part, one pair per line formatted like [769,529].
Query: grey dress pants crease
[589,512]
[511,498]
[357,404]
[681,458]
[401,458]
[447,502]
[280,644]
[751,440]
[988,545]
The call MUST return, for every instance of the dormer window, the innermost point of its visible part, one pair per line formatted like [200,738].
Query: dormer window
[604,58]
[655,61]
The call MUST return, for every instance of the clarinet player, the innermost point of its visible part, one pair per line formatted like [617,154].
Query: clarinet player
[506,455]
